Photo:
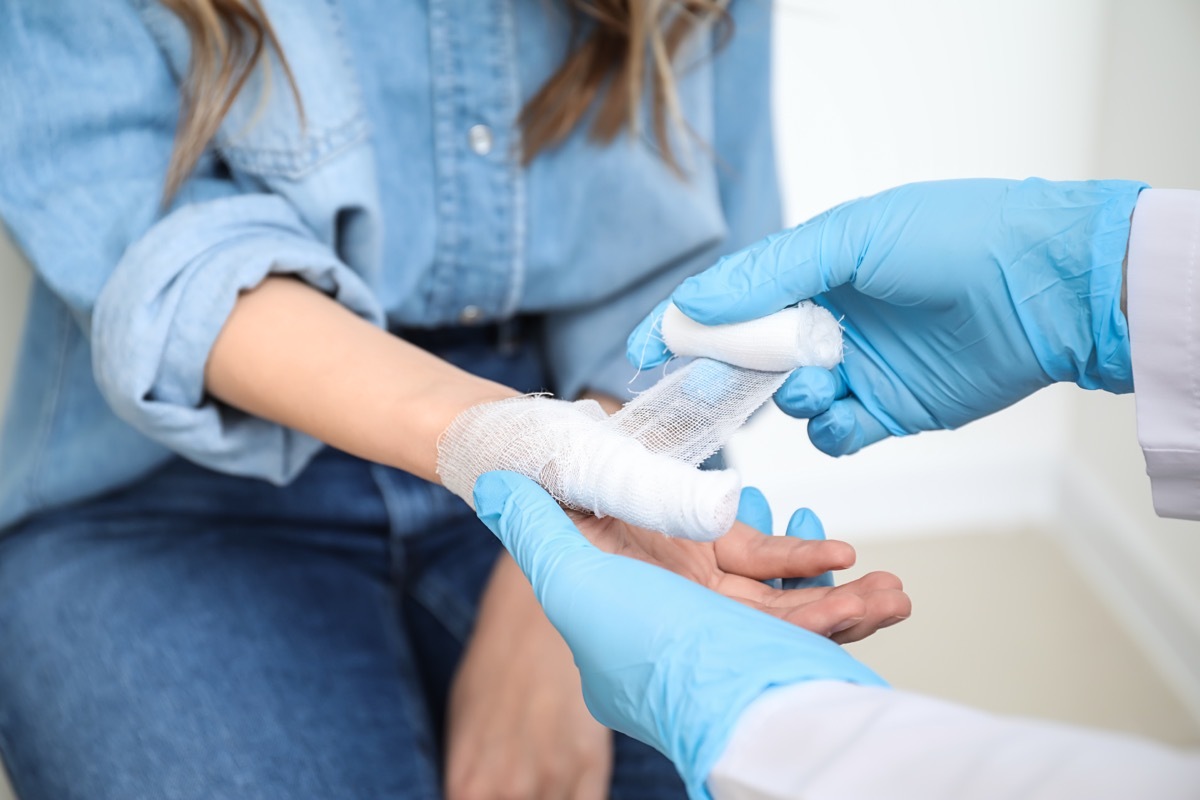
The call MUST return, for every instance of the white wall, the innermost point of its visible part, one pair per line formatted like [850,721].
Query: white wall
[873,93]
[1149,129]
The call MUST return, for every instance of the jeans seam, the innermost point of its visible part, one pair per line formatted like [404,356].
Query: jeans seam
[46,420]
[415,713]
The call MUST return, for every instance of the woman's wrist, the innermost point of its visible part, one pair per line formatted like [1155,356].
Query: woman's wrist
[429,410]
[610,404]
[291,354]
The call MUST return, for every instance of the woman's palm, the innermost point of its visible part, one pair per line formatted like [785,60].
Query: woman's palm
[738,565]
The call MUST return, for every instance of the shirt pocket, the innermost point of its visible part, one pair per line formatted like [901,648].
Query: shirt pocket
[263,134]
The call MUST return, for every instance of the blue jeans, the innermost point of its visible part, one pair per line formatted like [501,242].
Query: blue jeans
[204,636]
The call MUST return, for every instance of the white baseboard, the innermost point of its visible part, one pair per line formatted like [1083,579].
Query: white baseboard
[1149,594]
[1141,586]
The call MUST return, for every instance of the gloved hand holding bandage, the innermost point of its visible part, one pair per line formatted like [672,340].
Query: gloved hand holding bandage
[641,464]
[957,299]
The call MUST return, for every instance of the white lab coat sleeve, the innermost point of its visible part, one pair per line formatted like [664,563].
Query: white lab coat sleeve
[1163,304]
[824,740]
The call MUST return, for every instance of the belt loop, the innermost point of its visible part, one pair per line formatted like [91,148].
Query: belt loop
[509,336]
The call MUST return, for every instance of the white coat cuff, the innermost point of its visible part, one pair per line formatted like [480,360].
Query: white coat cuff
[1163,290]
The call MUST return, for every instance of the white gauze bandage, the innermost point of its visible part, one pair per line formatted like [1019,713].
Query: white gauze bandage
[640,465]
[585,462]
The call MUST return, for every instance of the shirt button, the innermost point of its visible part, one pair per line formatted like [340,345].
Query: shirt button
[480,139]
[470,315]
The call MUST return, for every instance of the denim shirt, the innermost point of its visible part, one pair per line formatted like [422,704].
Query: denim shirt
[402,196]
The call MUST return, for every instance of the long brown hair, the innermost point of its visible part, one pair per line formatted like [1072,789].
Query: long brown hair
[618,47]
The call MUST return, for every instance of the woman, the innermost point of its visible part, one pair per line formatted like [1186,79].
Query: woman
[257,229]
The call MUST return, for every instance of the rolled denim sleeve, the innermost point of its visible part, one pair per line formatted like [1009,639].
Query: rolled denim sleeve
[90,107]
[159,314]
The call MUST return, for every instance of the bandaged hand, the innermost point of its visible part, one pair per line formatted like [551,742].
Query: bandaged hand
[630,477]
[957,299]
[640,465]
[578,455]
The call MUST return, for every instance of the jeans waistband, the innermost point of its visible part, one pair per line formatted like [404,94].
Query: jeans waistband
[506,336]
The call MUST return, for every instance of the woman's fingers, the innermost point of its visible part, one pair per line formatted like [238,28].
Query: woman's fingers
[745,551]
[593,785]
[829,615]
[874,623]
[845,613]
[886,602]
[737,565]
[815,610]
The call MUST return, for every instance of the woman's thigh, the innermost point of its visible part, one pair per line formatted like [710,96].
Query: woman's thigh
[164,657]
[447,570]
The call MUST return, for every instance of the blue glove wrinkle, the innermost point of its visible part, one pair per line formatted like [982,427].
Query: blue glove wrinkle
[1085,241]
[807,392]
[845,428]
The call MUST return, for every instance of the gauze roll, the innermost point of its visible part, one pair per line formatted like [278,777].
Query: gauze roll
[803,336]
[640,465]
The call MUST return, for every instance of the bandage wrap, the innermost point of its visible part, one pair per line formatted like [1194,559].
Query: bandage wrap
[640,465]
[581,458]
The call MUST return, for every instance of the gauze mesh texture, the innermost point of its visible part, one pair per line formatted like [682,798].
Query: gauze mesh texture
[585,462]
[691,413]
[640,464]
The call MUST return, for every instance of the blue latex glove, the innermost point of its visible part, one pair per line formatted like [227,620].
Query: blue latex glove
[958,298]
[755,511]
[662,659]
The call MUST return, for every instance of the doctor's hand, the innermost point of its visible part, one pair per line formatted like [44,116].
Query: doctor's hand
[958,298]
[661,659]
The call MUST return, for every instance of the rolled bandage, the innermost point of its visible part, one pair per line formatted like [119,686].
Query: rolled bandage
[804,336]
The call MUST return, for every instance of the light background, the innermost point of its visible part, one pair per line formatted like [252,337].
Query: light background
[873,93]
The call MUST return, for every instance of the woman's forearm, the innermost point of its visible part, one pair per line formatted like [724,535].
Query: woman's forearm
[292,355]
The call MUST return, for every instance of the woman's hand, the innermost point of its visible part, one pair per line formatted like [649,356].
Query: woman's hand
[737,564]
[517,724]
